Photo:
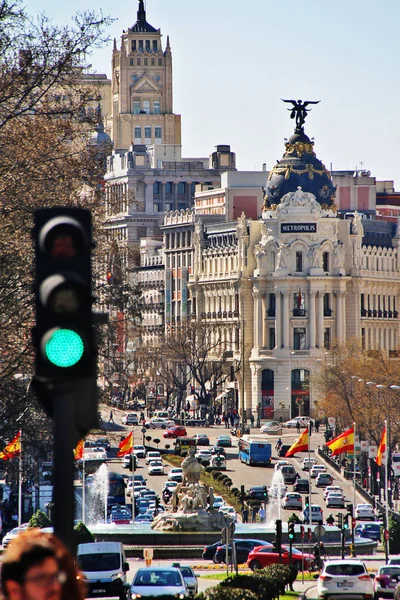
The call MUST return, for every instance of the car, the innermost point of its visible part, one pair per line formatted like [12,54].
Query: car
[170,484]
[141,506]
[304,422]
[243,548]
[332,488]
[10,535]
[160,423]
[386,579]
[203,455]
[156,468]
[157,581]
[139,451]
[323,479]
[316,470]
[174,432]
[144,518]
[130,419]
[137,491]
[262,556]
[335,499]
[365,511]
[175,474]
[120,516]
[292,500]
[283,449]
[104,443]
[258,492]
[271,427]
[218,462]
[371,531]
[224,440]
[302,485]
[189,577]
[308,463]
[127,461]
[316,514]
[152,455]
[281,463]
[394,561]
[218,502]
[139,477]
[218,450]
[289,474]
[202,439]
[230,512]
[346,578]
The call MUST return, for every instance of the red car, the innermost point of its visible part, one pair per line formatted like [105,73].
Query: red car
[174,432]
[262,556]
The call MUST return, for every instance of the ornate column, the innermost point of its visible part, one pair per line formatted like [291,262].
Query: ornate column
[339,317]
[311,316]
[342,299]
[256,395]
[285,319]
[320,319]
[264,320]
[257,317]
[278,320]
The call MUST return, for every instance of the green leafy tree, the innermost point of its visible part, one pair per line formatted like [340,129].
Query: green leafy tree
[39,519]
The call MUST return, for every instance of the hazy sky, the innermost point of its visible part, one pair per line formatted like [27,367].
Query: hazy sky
[234,59]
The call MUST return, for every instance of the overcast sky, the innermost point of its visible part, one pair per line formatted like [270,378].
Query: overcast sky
[234,59]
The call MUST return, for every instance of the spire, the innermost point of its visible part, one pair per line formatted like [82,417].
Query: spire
[141,13]
[168,46]
[115,45]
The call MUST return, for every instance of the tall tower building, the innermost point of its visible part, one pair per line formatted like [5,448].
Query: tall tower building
[141,98]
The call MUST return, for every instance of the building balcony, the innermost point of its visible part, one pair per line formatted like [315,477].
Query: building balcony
[235,313]
[224,314]
[271,312]
[299,312]
[364,312]
[327,312]
[203,315]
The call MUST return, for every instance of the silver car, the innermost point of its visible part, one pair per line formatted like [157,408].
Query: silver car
[190,578]
[158,581]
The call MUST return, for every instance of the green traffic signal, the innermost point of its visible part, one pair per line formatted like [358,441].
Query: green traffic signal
[64,347]
[291,533]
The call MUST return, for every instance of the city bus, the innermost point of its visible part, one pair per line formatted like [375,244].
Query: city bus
[255,451]
[396,464]
[184,444]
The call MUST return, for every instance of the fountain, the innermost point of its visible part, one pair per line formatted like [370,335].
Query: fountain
[96,496]
[276,492]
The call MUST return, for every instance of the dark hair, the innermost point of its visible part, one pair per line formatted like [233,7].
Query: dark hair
[17,565]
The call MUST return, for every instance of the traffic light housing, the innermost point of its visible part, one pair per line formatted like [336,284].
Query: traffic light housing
[349,508]
[291,531]
[307,500]
[63,335]
[339,518]
[278,539]
[346,521]
[265,493]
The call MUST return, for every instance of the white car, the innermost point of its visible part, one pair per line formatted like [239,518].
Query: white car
[292,500]
[332,489]
[335,500]
[139,451]
[308,463]
[218,502]
[316,514]
[156,467]
[204,455]
[304,422]
[175,474]
[316,470]
[365,511]
[170,484]
[230,511]
[10,535]
[130,419]
[160,423]
[345,578]
[272,427]
[152,455]
[281,463]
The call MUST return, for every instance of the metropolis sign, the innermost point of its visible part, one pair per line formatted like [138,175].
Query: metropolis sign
[298,227]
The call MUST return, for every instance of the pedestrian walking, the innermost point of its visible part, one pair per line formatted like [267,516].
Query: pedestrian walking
[262,514]
[317,425]
[252,420]
[111,417]
[245,515]
[298,426]
[254,514]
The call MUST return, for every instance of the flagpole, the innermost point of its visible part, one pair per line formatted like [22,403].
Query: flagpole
[83,489]
[353,512]
[133,479]
[20,481]
[387,487]
[309,470]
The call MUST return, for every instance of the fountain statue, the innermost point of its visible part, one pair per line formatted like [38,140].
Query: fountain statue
[192,504]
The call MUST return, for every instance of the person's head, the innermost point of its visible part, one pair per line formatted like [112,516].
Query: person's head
[37,566]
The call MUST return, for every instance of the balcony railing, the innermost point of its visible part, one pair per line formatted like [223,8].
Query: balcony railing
[271,312]
[299,312]
[327,312]
[379,314]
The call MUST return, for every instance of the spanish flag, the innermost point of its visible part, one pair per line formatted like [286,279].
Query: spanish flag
[343,443]
[126,446]
[382,448]
[299,445]
[78,452]
[13,448]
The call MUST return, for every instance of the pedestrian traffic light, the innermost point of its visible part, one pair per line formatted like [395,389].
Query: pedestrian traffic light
[339,518]
[63,335]
[291,531]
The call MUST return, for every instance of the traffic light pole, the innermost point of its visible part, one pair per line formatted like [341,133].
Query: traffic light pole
[63,397]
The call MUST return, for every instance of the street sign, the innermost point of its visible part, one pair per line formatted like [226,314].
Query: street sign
[319,531]
[143,429]
[386,535]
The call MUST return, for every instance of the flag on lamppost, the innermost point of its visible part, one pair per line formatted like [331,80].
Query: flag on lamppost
[126,445]
[78,452]
[343,443]
[382,448]
[12,449]
[299,445]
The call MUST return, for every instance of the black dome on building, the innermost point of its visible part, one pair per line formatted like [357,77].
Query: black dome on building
[299,166]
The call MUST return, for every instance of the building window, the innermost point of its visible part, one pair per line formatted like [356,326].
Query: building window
[156,187]
[168,187]
[156,107]
[298,305]
[138,133]
[168,206]
[299,262]
[138,61]
[327,338]
[131,62]
[363,339]
[299,338]
[136,107]
[155,49]
[153,61]
[156,208]
[327,305]
[148,46]
[271,305]
[181,187]
[325,261]
[157,133]
[140,45]
[133,46]
[145,61]
[146,107]
[271,338]
[147,133]
[160,62]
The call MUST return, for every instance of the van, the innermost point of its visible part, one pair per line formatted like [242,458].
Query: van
[289,473]
[104,567]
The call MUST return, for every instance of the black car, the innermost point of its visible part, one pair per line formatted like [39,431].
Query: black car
[258,492]
[301,485]
[218,450]
[283,449]
[104,443]
[209,551]
[243,548]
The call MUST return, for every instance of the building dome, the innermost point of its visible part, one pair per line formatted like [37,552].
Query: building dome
[99,137]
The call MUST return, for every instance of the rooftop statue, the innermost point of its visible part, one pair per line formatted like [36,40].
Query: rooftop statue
[299,111]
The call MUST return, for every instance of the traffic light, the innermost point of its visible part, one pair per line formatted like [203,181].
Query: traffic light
[242,495]
[63,336]
[307,501]
[339,518]
[265,492]
[349,508]
[278,540]
[346,521]
[291,531]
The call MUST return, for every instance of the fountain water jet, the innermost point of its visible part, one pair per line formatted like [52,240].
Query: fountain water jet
[97,495]
[276,492]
